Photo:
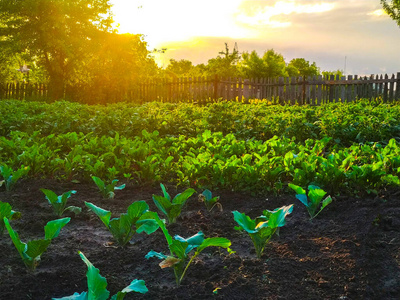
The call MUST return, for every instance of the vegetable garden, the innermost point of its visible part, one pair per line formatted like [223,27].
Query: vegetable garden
[237,201]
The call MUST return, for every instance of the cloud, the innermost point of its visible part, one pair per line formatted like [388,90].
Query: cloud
[254,13]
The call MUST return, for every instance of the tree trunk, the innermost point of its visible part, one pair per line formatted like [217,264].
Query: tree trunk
[56,87]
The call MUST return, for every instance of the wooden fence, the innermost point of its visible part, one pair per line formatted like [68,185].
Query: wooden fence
[313,90]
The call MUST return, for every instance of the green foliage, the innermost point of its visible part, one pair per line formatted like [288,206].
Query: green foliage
[315,196]
[97,286]
[59,203]
[122,228]
[11,177]
[180,248]
[392,9]
[262,228]
[209,200]
[7,212]
[30,252]
[107,190]
[302,67]
[172,208]
[225,64]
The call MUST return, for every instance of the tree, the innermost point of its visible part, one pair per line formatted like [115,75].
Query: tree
[179,68]
[271,64]
[60,34]
[392,9]
[225,64]
[337,74]
[303,67]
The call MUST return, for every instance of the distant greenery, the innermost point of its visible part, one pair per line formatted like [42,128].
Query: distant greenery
[392,9]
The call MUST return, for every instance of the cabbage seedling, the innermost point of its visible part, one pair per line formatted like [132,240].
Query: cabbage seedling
[262,228]
[107,190]
[7,212]
[172,208]
[11,177]
[180,248]
[315,195]
[31,252]
[59,203]
[97,286]
[122,228]
[209,200]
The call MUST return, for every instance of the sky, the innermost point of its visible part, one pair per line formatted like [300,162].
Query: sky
[355,36]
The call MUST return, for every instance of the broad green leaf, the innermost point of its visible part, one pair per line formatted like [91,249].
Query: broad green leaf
[181,198]
[152,253]
[162,204]
[121,229]
[146,225]
[214,242]
[75,296]
[97,284]
[165,193]
[136,285]
[278,216]
[297,189]
[37,247]
[245,222]
[303,199]
[52,228]
[326,201]
[50,196]
[103,214]
[21,247]
[179,248]
[100,183]
[136,210]
[193,241]
[207,194]
[121,187]
[154,216]
[315,194]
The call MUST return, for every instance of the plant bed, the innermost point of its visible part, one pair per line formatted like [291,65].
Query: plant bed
[350,251]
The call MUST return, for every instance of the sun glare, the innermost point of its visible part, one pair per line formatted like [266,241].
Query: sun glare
[177,20]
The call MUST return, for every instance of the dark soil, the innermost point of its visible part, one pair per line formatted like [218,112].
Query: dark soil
[350,251]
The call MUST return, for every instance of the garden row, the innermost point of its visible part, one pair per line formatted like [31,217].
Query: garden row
[209,160]
[138,219]
[345,123]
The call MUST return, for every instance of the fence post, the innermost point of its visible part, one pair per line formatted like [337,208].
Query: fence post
[397,95]
[246,90]
[216,81]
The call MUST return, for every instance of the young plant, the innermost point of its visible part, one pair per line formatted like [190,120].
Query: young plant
[7,212]
[97,286]
[107,190]
[31,252]
[180,248]
[59,203]
[262,228]
[209,200]
[172,208]
[122,228]
[11,177]
[315,195]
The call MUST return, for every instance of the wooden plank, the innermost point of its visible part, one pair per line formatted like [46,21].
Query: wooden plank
[391,89]
[397,95]
[385,89]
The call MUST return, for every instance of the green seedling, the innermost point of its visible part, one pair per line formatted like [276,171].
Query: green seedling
[209,201]
[31,252]
[59,203]
[262,228]
[124,227]
[11,177]
[180,248]
[172,208]
[107,190]
[97,286]
[7,212]
[315,195]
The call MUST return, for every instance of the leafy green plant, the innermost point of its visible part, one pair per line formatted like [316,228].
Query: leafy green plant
[209,201]
[11,177]
[262,228]
[313,201]
[7,212]
[107,190]
[172,208]
[59,203]
[180,248]
[97,286]
[30,252]
[122,228]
